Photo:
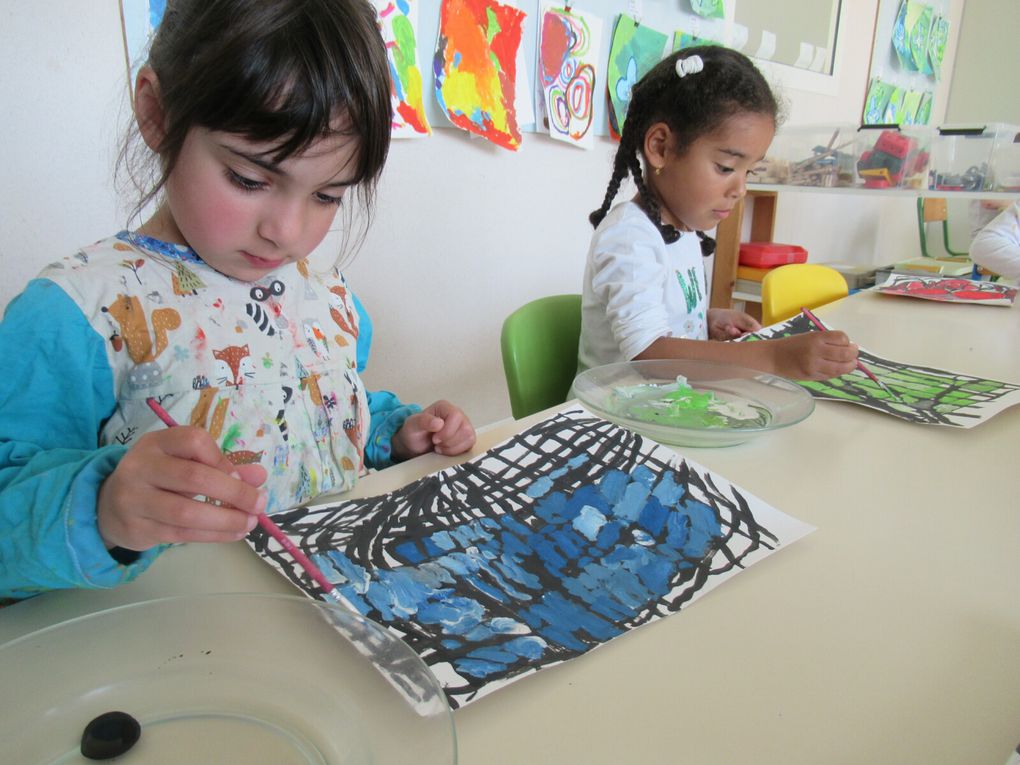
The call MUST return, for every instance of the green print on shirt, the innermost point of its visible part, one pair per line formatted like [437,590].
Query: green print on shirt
[691,287]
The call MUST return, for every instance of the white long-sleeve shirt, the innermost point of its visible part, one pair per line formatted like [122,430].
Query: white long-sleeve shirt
[997,245]
[637,289]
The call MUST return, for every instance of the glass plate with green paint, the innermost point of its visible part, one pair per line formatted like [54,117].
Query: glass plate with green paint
[692,403]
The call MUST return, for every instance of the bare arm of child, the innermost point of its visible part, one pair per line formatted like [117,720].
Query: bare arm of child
[441,427]
[809,356]
[149,499]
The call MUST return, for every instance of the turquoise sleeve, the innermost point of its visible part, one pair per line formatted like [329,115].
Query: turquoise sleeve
[56,392]
[387,413]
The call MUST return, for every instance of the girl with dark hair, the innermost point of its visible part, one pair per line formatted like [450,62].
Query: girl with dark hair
[261,119]
[697,125]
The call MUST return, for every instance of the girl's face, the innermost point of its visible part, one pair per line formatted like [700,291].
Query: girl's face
[700,187]
[242,213]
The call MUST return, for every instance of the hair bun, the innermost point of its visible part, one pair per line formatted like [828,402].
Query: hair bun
[689,65]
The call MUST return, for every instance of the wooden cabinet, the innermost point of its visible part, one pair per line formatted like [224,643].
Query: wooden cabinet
[764,199]
[727,243]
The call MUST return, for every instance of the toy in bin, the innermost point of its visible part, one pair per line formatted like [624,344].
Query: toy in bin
[769,254]
[893,156]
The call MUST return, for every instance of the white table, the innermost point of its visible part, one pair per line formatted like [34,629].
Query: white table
[890,635]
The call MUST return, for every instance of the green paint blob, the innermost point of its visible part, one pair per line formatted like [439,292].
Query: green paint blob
[678,405]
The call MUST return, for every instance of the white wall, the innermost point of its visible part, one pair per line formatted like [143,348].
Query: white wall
[464,233]
[984,77]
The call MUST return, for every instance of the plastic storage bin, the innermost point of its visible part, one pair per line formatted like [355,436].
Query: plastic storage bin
[769,254]
[975,158]
[818,155]
[1006,159]
[893,156]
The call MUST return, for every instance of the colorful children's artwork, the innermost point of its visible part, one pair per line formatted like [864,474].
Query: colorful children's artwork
[683,40]
[921,395]
[948,290]
[537,551]
[570,44]
[635,49]
[911,100]
[876,101]
[923,116]
[475,68]
[937,43]
[709,9]
[139,19]
[398,20]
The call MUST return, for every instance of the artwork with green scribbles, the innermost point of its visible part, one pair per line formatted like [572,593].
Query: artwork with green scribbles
[918,394]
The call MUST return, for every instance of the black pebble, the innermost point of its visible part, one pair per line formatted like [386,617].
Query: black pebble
[109,735]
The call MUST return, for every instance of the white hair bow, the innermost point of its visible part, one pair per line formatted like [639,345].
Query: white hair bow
[689,65]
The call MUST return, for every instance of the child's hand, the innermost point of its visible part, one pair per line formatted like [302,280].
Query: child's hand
[727,324]
[442,428]
[149,498]
[813,355]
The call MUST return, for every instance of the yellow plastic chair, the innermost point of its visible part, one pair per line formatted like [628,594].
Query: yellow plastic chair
[787,289]
[539,346]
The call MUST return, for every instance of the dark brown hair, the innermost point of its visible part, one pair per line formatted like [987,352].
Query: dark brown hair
[274,71]
[692,106]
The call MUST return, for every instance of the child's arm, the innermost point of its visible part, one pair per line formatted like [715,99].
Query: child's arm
[56,391]
[997,245]
[149,498]
[442,428]
[54,397]
[808,356]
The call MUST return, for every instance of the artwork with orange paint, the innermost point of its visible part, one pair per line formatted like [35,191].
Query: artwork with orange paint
[569,48]
[398,20]
[475,68]
[635,49]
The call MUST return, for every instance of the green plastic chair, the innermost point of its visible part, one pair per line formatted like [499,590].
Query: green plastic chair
[539,345]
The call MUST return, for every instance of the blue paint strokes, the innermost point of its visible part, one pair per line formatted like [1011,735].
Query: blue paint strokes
[592,554]
[540,487]
[652,517]
[668,491]
[588,522]
[612,485]
[476,668]
[410,553]
[609,534]
[629,506]
[552,508]
[493,654]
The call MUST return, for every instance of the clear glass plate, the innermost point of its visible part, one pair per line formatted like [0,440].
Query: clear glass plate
[225,678]
[744,403]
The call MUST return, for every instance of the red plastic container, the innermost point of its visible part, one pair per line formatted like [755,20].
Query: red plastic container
[769,254]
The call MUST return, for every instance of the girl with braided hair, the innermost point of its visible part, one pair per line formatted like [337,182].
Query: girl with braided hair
[697,125]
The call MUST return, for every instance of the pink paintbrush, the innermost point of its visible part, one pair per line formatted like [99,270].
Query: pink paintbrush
[267,525]
[860,364]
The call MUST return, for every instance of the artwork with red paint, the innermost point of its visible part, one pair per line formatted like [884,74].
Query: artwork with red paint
[950,290]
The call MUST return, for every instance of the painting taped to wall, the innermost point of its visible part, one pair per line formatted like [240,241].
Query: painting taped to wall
[569,51]
[552,543]
[398,20]
[475,68]
[635,49]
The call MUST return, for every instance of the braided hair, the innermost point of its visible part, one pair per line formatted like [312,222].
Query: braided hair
[691,106]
